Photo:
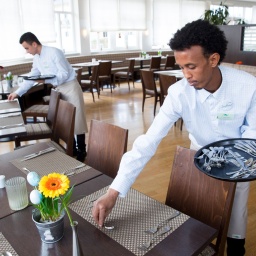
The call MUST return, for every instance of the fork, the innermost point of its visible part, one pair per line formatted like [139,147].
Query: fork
[68,173]
[155,228]
[146,245]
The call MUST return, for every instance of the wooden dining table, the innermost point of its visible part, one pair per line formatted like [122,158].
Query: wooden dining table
[91,64]
[143,59]
[20,231]
[177,73]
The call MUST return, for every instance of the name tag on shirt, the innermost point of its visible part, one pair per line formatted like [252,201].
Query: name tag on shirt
[225,116]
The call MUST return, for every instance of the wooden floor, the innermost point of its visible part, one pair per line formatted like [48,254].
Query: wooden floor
[123,108]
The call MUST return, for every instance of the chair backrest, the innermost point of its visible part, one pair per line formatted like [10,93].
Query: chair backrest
[165,82]
[170,62]
[64,126]
[131,67]
[105,68]
[148,80]
[95,74]
[200,196]
[155,62]
[106,145]
[79,75]
[53,108]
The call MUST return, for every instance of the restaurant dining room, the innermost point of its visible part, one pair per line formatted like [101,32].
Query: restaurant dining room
[126,127]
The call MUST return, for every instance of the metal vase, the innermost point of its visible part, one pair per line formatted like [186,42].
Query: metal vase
[9,84]
[50,232]
[77,249]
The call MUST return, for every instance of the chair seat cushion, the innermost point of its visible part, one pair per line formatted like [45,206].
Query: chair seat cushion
[41,110]
[38,128]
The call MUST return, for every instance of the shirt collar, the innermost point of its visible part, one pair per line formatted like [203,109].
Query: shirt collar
[203,94]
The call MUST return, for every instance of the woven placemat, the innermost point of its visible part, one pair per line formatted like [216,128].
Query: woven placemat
[5,246]
[6,104]
[54,161]
[11,120]
[131,216]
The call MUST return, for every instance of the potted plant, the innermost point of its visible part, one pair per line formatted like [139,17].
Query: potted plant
[218,16]
[9,77]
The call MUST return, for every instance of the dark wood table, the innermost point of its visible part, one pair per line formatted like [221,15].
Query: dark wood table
[9,170]
[177,73]
[22,234]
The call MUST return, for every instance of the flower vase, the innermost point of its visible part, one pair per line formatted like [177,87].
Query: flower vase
[77,250]
[9,84]
[50,232]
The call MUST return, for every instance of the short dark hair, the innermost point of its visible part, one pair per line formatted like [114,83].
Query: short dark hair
[29,38]
[201,33]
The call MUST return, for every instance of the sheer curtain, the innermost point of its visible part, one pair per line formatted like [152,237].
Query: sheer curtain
[117,15]
[20,16]
[169,16]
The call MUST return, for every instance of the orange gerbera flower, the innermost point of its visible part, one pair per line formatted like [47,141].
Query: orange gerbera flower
[54,185]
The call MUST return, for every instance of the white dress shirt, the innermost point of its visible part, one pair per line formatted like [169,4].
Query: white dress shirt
[230,112]
[51,61]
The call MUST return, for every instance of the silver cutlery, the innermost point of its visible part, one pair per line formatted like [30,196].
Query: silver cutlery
[146,245]
[11,126]
[72,171]
[154,229]
[6,253]
[10,115]
[42,152]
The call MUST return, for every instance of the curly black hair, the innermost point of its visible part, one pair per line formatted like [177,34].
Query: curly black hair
[201,33]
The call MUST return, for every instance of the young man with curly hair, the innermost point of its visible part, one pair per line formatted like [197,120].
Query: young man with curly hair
[200,98]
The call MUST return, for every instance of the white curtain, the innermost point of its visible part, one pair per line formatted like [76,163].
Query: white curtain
[117,15]
[38,18]
[20,16]
[169,16]
[103,15]
[132,15]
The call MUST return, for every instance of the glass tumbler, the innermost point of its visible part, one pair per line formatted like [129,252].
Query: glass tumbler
[16,189]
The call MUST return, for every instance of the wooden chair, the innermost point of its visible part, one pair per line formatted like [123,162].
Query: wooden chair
[155,63]
[165,81]
[105,73]
[36,131]
[64,128]
[92,83]
[38,110]
[106,145]
[149,88]
[169,63]
[200,196]
[126,75]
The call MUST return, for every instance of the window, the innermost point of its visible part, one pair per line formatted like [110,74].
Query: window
[38,17]
[249,38]
[122,31]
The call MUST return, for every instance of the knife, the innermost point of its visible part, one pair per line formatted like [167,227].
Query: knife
[11,126]
[38,154]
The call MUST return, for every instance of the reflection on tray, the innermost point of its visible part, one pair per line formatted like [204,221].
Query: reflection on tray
[38,77]
[232,160]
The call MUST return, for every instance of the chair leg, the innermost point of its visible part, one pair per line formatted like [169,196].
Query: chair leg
[155,105]
[143,102]
[92,93]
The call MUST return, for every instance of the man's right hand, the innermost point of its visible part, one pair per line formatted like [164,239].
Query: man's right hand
[13,96]
[104,205]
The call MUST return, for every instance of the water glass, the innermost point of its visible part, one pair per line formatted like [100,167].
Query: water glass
[16,189]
